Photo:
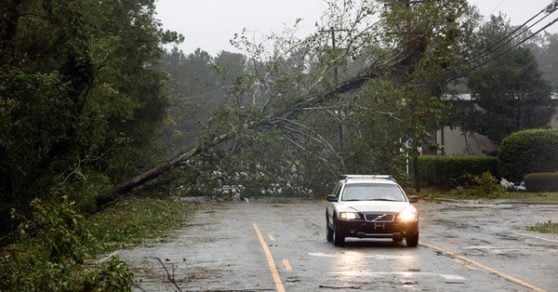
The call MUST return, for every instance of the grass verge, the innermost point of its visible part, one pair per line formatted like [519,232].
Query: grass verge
[55,244]
[135,220]
[512,196]
[547,227]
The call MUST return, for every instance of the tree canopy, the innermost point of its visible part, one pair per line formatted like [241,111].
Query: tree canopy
[80,96]
[510,91]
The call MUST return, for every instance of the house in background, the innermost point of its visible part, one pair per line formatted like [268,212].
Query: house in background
[454,141]
[554,121]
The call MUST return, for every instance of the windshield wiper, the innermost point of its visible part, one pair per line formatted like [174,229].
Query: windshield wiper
[384,199]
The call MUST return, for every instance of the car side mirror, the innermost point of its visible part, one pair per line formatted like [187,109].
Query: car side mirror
[331,198]
[413,199]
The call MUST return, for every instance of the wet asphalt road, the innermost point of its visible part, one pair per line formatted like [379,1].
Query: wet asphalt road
[463,247]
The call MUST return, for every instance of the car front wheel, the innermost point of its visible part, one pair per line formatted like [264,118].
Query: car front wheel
[412,241]
[329,234]
[338,238]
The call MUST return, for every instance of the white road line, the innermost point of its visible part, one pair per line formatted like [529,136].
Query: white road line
[376,256]
[538,237]
[452,277]
[447,277]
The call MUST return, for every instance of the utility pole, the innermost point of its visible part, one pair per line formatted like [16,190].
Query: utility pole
[338,114]
[335,71]
[414,48]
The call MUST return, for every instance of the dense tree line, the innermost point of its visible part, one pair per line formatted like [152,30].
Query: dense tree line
[88,99]
[304,139]
[80,97]
[84,96]
[366,132]
[511,92]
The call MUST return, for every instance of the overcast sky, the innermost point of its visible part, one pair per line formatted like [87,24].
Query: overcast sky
[210,24]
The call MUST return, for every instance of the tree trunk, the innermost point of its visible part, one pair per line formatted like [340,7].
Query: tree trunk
[274,119]
[416,172]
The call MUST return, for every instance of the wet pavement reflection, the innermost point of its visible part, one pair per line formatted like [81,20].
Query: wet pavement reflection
[220,251]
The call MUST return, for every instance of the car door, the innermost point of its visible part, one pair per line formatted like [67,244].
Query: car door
[331,205]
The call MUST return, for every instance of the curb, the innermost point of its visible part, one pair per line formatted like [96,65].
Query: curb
[496,202]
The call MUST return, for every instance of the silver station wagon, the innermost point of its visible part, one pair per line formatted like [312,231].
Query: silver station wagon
[371,206]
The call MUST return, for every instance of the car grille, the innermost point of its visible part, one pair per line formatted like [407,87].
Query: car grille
[379,217]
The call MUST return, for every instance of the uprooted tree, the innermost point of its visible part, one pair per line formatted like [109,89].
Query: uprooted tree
[290,100]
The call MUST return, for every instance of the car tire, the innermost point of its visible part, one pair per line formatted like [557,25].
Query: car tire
[338,238]
[412,241]
[329,234]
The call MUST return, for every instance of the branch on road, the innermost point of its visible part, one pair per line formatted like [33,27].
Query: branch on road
[170,275]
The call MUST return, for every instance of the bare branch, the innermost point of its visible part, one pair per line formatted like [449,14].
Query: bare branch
[170,276]
[314,136]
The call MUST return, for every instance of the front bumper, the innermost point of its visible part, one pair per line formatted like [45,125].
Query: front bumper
[363,229]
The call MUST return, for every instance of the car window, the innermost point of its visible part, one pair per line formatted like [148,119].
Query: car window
[370,192]
[337,190]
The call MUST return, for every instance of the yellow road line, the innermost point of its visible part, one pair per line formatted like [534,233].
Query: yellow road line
[464,264]
[270,261]
[287,265]
[271,237]
[484,267]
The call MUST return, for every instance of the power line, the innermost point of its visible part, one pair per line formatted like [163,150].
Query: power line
[497,6]
[516,45]
[505,40]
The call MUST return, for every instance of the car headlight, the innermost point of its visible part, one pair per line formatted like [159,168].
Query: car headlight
[408,215]
[347,216]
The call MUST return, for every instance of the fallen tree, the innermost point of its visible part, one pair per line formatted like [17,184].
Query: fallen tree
[420,52]
[273,120]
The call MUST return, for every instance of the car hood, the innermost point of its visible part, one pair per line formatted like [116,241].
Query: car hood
[373,206]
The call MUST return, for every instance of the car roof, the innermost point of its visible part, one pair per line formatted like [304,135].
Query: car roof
[369,181]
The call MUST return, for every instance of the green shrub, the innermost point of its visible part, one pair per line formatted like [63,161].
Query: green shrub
[546,227]
[112,275]
[542,182]
[485,186]
[528,151]
[452,171]
[53,244]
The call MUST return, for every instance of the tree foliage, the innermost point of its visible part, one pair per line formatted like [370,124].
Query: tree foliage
[528,151]
[546,52]
[299,90]
[54,243]
[509,92]
[80,96]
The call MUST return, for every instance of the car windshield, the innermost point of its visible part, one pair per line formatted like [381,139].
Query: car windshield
[372,192]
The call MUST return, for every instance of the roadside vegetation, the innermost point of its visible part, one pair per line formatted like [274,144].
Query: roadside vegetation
[486,187]
[430,193]
[57,246]
[546,227]
[92,107]
[134,220]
